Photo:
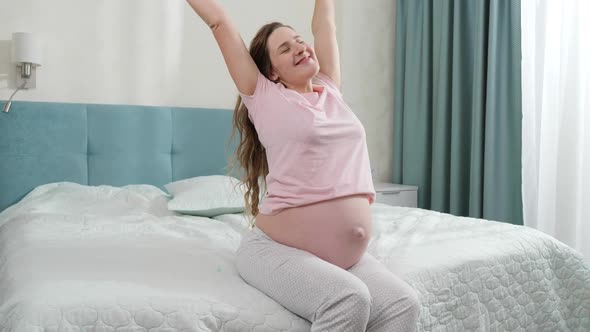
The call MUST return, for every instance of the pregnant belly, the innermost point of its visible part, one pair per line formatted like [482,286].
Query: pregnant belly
[337,230]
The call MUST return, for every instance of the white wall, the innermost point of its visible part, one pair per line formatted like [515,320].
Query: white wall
[158,52]
[367,48]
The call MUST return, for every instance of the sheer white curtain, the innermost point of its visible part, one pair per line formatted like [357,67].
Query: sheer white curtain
[556,119]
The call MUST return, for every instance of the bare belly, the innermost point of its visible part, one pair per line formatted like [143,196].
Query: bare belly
[337,230]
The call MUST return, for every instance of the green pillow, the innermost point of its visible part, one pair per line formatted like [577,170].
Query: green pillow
[207,196]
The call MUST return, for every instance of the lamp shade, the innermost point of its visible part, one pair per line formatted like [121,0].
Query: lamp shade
[26,48]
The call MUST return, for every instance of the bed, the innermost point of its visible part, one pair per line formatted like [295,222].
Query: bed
[88,242]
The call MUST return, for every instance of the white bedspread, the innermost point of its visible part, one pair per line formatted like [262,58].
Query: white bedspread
[478,275]
[78,258]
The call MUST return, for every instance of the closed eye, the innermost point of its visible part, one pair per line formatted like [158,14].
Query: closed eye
[284,47]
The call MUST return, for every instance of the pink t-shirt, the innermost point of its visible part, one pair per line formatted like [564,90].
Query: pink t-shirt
[315,146]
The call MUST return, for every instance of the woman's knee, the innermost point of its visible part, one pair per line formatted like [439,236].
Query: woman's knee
[347,300]
[350,293]
[413,304]
[360,296]
[401,300]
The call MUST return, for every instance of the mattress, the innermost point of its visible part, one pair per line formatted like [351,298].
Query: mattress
[81,258]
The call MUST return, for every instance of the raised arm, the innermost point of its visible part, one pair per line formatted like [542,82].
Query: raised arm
[323,26]
[241,67]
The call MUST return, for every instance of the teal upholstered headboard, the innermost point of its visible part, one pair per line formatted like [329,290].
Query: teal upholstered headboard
[108,144]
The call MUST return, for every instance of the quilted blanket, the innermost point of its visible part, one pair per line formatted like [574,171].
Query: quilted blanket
[479,275]
[79,258]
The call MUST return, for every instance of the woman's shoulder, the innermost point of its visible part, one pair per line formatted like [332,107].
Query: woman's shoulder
[267,96]
[263,85]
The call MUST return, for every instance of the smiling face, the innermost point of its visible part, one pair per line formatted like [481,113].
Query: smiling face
[294,62]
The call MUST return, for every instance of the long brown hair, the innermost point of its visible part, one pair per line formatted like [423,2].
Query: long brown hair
[250,153]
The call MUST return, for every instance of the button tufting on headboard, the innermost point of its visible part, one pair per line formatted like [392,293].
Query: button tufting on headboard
[108,144]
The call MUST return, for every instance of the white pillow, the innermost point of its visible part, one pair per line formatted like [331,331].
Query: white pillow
[207,196]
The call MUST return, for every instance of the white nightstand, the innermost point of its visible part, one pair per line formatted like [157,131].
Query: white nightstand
[396,194]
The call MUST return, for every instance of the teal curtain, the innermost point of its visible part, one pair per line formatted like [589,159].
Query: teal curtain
[458,106]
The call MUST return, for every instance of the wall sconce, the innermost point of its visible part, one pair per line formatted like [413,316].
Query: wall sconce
[26,54]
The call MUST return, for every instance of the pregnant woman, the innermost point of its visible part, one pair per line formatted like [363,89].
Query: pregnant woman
[301,141]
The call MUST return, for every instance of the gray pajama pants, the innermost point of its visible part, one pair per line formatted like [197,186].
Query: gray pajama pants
[366,297]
